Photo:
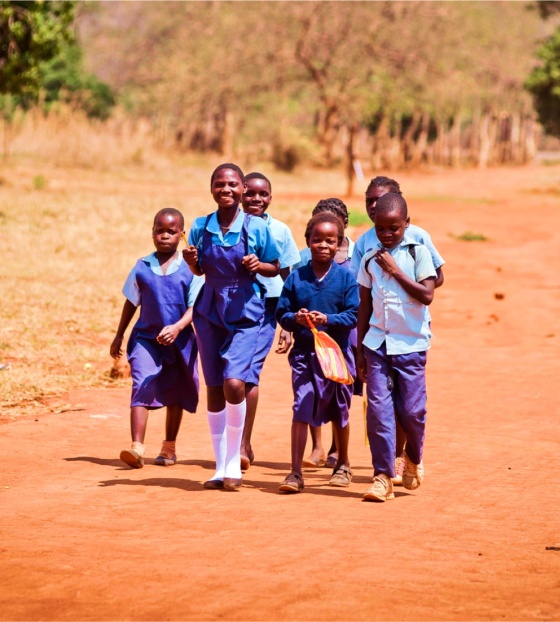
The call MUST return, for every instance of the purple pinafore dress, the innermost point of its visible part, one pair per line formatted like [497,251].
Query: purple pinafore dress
[163,375]
[228,311]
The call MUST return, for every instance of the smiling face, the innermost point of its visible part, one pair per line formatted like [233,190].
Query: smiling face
[166,233]
[323,242]
[390,228]
[256,196]
[372,195]
[227,188]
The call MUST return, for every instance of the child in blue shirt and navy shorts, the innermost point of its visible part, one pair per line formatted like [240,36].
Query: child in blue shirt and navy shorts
[229,248]
[397,282]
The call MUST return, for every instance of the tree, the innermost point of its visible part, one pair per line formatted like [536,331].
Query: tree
[30,32]
[544,84]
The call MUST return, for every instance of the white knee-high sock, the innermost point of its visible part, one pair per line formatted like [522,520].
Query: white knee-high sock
[235,421]
[217,423]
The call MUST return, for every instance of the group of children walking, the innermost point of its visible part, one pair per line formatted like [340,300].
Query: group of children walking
[241,274]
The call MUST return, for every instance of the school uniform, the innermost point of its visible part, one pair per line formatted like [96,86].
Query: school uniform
[316,399]
[368,241]
[229,311]
[395,349]
[289,255]
[162,375]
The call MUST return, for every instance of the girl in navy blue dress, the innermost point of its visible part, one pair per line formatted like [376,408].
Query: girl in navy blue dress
[328,294]
[162,349]
[229,248]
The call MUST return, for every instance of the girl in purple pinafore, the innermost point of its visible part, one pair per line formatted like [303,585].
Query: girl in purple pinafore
[162,349]
[229,247]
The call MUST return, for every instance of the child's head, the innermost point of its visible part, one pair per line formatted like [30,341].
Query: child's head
[336,206]
[379,186]
[226,185]
[324,234]
[257,194]
[391,219]
[167,228]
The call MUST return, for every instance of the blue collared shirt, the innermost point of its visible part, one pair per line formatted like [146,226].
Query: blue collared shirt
[132,291]
[368,241]
[260,242]
[289,254]
[397,318]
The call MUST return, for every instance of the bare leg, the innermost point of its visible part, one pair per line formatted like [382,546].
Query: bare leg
[138,423]
[215,398]
[332,458]
[317,455]
[299,440]
[342,438]
[252,397]
[173,422]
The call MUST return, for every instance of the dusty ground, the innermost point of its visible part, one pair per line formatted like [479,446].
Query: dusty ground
[84,538]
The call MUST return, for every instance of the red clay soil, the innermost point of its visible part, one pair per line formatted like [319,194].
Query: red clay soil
[85,538]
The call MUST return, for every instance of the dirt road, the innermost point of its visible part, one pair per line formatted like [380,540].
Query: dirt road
[84,538]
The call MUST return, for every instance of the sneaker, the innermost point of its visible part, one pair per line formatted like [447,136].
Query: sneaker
[413,474]
[341,477]
[382,489]
[292,483]
[163,461]
[132,458]
[331,461]
[399,470]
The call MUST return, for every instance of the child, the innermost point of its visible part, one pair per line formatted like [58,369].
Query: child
[229,248]
[162,348]
[328,295]
[256,200]
[318,456]
[376,189]
[396,284]
[368,240]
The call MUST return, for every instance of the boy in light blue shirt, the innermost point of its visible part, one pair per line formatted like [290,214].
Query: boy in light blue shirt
[397,282]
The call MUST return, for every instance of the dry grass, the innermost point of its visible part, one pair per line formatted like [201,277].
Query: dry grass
[70,239]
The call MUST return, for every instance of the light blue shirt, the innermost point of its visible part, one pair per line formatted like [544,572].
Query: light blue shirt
[261,243]
[305,254]
[368,241]
[289,254]
[397,318]
[132,291]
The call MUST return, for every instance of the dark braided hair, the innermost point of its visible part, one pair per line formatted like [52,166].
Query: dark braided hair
[384,182]
[257,175]
[334,205]
[227,166]
[172,212]
[321,217]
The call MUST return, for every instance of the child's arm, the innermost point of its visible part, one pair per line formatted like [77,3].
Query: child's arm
[254,265]
[422,291]
[364,313]
[126,316]
[439,278]
[190,255]
[168,334]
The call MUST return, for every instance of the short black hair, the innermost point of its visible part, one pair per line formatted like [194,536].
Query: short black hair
[325,217]
[384,182]
[257,175]
[391,202]
[172,212]
[334,205]
[227,166]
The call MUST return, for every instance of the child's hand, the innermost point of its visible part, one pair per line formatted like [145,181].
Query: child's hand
[168,335]
[284,342]
[116,347]
[251,262]
[319,319]
[361,367]
[190,255]
[386,261]
[301,317]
